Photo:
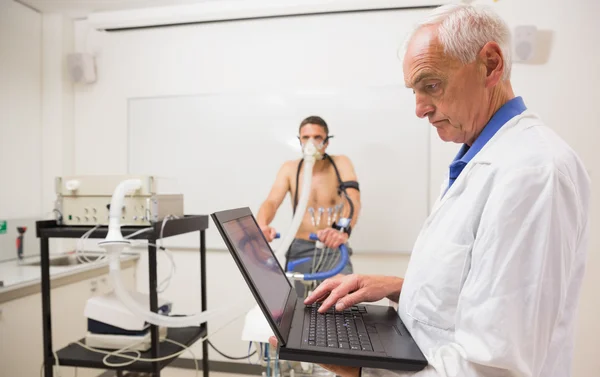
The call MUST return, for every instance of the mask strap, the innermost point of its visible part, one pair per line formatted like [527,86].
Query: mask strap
[324,141]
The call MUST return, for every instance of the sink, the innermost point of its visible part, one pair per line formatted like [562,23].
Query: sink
[67,260]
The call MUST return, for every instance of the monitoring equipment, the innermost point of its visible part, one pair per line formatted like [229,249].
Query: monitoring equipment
[111,325]
[85,200]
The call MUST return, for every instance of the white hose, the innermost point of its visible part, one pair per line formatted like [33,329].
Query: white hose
[310,155]
[116,208]
[114,251]
[114,245]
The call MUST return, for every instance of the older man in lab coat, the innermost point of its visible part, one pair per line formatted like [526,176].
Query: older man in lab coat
[495,274]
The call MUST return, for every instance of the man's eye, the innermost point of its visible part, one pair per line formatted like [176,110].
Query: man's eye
[432,87]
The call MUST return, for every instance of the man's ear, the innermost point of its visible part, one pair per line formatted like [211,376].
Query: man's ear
[493,60]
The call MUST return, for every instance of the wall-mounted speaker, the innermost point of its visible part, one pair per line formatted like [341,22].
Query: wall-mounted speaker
[524,43]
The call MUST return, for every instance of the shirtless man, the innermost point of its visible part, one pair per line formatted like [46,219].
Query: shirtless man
[324,194]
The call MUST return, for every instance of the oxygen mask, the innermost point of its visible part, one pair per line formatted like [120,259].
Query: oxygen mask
[314,145]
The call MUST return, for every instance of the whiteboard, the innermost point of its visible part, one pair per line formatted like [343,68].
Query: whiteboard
[225,149]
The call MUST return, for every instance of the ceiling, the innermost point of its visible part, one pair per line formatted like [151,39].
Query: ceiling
[81,8]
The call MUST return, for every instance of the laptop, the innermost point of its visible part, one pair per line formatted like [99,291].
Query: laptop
[371,336]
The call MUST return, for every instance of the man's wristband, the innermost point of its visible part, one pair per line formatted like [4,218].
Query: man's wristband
[347,230]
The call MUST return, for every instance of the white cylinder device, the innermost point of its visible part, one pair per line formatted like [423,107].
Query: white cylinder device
[114,243]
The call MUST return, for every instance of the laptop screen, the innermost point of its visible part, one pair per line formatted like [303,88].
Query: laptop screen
[262,266]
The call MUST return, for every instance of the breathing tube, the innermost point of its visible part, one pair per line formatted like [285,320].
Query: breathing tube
[114,243]
[341,188]
[311,154]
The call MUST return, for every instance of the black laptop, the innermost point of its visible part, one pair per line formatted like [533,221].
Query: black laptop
[364,336]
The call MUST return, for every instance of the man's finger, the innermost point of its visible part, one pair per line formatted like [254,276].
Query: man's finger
[348,285]
[318,294]
[319,299]
[273,341]
[351,299]
[334,242]
[339,240]
[321,291]
[322,234]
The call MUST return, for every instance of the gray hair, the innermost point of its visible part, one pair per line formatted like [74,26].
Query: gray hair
[464,29]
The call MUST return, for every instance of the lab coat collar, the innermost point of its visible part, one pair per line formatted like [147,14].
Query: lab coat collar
[481,158]
[466,153]
[504,114]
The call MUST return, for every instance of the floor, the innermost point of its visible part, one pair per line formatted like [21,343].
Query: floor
[171,372]
[167,372]
[176,372]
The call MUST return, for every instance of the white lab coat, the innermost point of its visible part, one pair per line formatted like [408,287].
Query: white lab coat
[494,277]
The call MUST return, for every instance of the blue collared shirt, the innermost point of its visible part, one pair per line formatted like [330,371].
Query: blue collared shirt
[508,111]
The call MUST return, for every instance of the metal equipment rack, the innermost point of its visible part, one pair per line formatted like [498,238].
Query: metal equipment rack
[77,356]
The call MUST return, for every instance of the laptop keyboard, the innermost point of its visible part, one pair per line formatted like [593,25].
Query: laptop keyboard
[338,329]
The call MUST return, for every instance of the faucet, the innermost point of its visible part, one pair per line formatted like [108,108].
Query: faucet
[21,230]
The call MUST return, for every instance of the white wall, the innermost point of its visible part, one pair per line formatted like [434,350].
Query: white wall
[563,91]
[20,124]
[57,112]
[20,111]
[36,113]
[57,104]
[131,64]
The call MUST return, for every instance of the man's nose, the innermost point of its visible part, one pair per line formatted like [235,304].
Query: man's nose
[423,106]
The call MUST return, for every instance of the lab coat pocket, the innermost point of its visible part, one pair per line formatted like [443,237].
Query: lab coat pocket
[439,281]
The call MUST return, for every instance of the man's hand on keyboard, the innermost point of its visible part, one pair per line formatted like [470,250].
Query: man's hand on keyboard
[337,369]
[346,291]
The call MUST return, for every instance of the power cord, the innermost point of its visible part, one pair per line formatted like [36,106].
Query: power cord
[144,230]
[133,359]
[79,253]
[83,258]
[120,353]
[163,285]
[232,357]
[258,352]
[160,288]
[60,215]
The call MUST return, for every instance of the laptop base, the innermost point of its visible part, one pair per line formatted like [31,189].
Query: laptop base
[393,347]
